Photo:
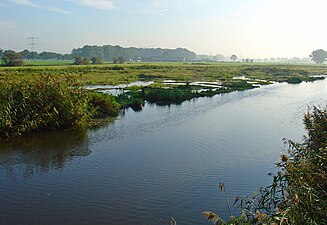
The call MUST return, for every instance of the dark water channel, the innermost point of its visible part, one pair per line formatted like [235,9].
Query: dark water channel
[161,162]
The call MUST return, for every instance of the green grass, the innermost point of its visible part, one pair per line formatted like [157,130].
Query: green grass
[47,62]
[129,72]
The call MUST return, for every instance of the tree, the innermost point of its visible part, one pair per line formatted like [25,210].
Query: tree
[86,61]
[319,56]
[233,57]
[1,53]
[78,60]
[25,54]
[96,60]
[11,58]
[121,60]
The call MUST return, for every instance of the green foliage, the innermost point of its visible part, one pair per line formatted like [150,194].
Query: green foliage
[319,56]
[108,52]
[294,80]
[233,57]
[11,58]
[103,105]
[131,99]
[86,61]
[167,96]
[239,85]
[26,54]
[96,60]
[306,173]
[297,194]
[78,60]
[161,95]
[119,60]
[130,72]
[48,104]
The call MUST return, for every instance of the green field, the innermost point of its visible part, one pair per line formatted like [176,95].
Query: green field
[125,73]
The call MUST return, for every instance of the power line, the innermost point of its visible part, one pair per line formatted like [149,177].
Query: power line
[33,42]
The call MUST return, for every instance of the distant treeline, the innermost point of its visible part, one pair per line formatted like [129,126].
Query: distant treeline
[109,53]
[26,54]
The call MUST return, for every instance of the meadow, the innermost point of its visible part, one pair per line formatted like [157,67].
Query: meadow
[113,74]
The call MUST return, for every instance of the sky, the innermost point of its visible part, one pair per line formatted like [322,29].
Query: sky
[247,28]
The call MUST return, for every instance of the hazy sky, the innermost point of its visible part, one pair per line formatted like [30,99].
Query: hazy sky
[250,28]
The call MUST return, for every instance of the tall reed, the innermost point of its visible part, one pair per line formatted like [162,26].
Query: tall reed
[48,104]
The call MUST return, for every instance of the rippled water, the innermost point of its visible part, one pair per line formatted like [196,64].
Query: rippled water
[161,162]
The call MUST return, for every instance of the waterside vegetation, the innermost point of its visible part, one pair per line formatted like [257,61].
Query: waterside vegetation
[49,104]
[297,194]
[37,98]
[112,74]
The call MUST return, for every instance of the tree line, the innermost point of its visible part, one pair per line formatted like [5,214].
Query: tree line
[109,53]
[28,55]
[117,54]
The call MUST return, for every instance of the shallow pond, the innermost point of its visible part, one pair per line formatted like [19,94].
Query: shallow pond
[161,162]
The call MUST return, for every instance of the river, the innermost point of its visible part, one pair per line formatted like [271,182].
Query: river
[158,163]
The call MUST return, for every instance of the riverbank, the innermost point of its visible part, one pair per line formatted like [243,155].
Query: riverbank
[47,98]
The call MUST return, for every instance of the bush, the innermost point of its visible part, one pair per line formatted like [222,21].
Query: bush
[86,61]
[294,80]
[162,96]
[78,60]
[96,60]
[306,173]
[11,58]
[103,105]
[48,104]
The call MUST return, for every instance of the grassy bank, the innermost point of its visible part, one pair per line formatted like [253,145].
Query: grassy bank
[176,94]
[49,104]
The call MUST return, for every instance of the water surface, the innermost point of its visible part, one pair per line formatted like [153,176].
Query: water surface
[161,162]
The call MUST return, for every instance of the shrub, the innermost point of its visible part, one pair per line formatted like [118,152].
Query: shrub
[48,104]
[294,80]
[160,95]
[86,61]
[96,60]
[103,105]
[11,58]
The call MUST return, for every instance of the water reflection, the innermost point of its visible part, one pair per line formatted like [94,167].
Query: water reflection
[42,151]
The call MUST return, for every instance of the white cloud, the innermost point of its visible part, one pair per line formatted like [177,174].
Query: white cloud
[55,8]
[99,4]
[29,3]
[25,3]
[163,6]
